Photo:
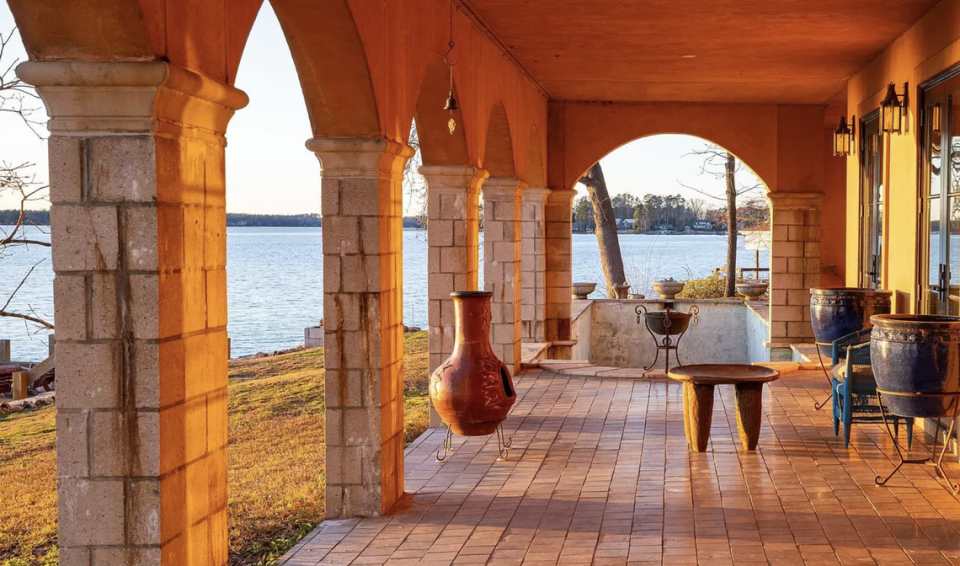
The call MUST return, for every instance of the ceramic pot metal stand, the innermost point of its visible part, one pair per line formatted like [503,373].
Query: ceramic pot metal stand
[916,362]
[666,327]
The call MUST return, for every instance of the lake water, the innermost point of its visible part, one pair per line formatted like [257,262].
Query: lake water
[275,280]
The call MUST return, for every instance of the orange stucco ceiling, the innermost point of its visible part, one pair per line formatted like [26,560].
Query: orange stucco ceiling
[786,51]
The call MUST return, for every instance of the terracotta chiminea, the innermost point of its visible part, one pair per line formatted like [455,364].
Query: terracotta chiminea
[472,390]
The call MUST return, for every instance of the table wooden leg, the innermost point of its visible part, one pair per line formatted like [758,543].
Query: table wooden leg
[749,412]
[687,388]
[699,414]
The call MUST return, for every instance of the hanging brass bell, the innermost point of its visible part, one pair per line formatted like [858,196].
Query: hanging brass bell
[451,103]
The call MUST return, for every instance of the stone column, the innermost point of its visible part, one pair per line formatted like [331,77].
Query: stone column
[533,266]
[794,265]
[453,251]
[501,265]
[558,263]
[139,249]
[361,200]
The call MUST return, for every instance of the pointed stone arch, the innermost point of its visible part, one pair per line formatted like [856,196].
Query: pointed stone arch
[437,145]
[498,151]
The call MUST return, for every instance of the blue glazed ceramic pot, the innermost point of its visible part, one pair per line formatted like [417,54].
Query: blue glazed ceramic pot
[838,311]
[916,354]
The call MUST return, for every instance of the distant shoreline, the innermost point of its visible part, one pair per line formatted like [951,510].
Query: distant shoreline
[234,219]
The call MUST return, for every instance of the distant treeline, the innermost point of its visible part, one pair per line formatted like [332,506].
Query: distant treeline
[234,219]
[42,218]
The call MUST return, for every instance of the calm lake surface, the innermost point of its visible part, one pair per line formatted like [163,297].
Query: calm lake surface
[275,280]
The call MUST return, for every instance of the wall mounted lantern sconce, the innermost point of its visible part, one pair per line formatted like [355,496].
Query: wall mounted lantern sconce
[892,110]
[844,137]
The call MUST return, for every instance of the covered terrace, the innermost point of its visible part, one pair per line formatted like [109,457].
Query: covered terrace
[141,94]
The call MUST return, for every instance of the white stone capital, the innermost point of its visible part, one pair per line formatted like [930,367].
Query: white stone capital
[358,157]
[561,197]
[535,195]
[795,201]
[89,98]
[503,189]
[453,179]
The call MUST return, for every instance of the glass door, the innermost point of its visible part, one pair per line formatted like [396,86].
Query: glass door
[941,198]
[871,202]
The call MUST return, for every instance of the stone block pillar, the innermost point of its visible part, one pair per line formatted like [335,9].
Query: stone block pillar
[452,251]
[794,264]
[502,200]
[534,293]
[558,263]
[361,200]
[138,225]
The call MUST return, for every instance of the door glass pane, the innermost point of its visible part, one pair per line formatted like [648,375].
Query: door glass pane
[954,263]
[935,150]
[933,255]
[954,132]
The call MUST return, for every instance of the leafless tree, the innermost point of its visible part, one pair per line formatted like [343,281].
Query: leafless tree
[696,206]
[414,183]
[606,231]
[721,164]
[17,183]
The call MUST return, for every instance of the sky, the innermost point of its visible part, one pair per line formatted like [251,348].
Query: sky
[269,171]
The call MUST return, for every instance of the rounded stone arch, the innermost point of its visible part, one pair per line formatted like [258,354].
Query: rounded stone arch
[535,170]
[498,150]
[745,163]
[208,38]
[437,145]
[592,130]
[204,37]
[332,66]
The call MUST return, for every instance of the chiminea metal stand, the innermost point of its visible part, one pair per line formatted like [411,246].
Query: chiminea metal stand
[669,341]
[938,463]
[504,443]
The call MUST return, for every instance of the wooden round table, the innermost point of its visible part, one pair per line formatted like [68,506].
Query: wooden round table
[699,382]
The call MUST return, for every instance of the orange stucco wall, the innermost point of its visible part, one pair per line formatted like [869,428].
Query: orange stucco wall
[927,49]
[833,235]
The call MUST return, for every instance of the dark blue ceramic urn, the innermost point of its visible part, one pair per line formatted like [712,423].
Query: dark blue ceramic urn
[838,311]
[916,362]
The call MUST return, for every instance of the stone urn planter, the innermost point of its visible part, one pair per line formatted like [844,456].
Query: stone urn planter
[472,390]
[917,356]
[668,288]
[583,289]
[621,290]
[752,290]
[838,311]
[636,296]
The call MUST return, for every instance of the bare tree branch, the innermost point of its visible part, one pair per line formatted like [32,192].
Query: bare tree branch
[17,97]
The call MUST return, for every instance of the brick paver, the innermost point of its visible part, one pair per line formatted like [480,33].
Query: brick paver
[600,473]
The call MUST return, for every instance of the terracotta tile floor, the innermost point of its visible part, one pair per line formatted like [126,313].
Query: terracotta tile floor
[600,473]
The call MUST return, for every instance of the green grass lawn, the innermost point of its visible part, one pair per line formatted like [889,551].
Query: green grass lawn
[276,420]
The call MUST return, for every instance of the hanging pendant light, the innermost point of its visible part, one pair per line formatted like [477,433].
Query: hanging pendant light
[451,105]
